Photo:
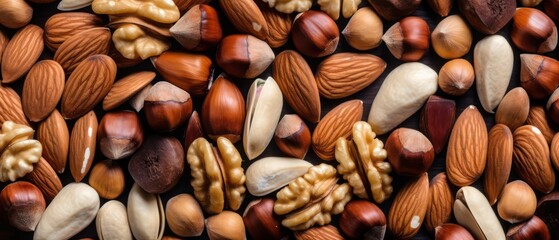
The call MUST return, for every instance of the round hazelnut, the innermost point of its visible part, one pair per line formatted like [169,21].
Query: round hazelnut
[534,228]
[456,77]
[226,225]
[517,202]
[363,220]
[260,220]
[315,34]
[533,31]
[244,56]
[451,231]
[452,37]
[22,204]
[408,39]
[198,29]
[120,134]
[292,136]
[158,165]
[409,152]
[184,216]
[167,107]
[107,178]
[190,72]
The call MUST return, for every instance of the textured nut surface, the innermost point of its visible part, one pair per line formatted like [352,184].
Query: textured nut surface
[362,163]
[55,138]
[514,108]
[441,199]
[22,52]
[18,151]
[537,117]
[80,46]
[409,207]
[62,26]
[42,89]
[163,11]
[44,177]
[125,88]
[10,106]
[272,173]
[289,6]
[83,143]
[279,25]
[133,42]
[499,161]
[554,151]
[319,233]
[246,17]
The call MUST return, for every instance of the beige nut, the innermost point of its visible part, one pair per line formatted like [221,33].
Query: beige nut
[17,151]
[163,11]
[133,42]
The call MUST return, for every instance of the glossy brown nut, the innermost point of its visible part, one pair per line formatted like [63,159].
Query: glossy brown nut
[244,56]
[408,39]
[261,222]
[315,34]
[437,119]
[533,31]
[394,9]
[533,229]
[409,152]
[120,134]
[22,204]
[191,72]
[539,75]
[451,231]
[363,220]
[167,107]
[158,165]
[107,178]
[193,130]
[487,16]
[199,29]
[548,211]
[292,136]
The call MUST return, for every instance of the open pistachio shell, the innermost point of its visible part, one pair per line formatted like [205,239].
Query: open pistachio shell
[145,214]
[264,106]
[272,173]
[472,210]
[112,222]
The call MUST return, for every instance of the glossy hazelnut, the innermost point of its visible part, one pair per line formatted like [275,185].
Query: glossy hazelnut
[539,75]
[533,31]
[452,37]
[193,130]
[364,29]
[315,34]
[158,165]
[223,110]
[408,39]
[107,178]
[226,225]
[167,107]
[451,231]
[441,7]
[22,204]
[517,202]
[363,220]
[120,134]
[533,229]
[409,152]
[292,136]
[199,29]
[260,220]
[456,77]
[184,216]
[394,9]
[190,72]
[244,56]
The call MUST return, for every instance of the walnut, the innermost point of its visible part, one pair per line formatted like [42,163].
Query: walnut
[162,11]
[133,42]
[334,7]
[362,163]
[217,175]
[17,151]
[312,198]
[290,6]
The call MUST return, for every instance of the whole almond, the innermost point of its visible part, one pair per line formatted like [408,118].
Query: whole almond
[44,177]
[3,43]
[42,89]
[125,88]
[554,152]
[10,106]
[53,134]
[62,26]
[338,123]
[441,200]
[246,17]
[21,53]
[344,74]
[513,109]
[499,161]
[532,160]
[409,207]
[297,83]
[82,145]
[327,232]
[279,25]
[437,119]
[81,46]
[538,118]
[87,86]
[467,148]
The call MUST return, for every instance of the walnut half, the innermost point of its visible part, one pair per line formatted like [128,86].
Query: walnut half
[17,151]
[133,42]
[362,163]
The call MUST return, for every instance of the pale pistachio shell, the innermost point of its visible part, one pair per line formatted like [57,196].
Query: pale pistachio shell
[493,62]
[71,5]
[71,211]
[112,222]
[145,214]
[472,210]
[263,113]
[272,173]
[403,92]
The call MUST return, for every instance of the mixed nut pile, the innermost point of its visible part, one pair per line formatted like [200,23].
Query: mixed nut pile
[72,112]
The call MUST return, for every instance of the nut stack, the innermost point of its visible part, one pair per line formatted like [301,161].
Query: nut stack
[85,116]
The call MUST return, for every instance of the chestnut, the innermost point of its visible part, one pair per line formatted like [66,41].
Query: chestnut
[120,134]
[261,222]
[315,34]
[533,31]
[292,136]
[167,107]
[451,231]
[533,229]
[363,220]
[408,39]
[198,29]
[22,204]
[409,152]
[244,56]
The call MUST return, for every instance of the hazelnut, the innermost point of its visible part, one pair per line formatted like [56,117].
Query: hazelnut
[364,30]
[120,134]
[539,75]
[547,211]
[363,220]
[190,72]
[167,107]
[394,9]
[452,37]
[451,231]
[199,29]
[107,178]
[292,136]
[534,229]
[226,225]
[184,216]
[533,31]
[22,204]
[315,34]
[244,56]
[517,202]
[456,77]
[193,130]
[158,165]
[408,39]
[409,152]
[441,7]
[260,220]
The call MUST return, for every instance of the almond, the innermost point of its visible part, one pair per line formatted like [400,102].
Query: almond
[83,145]
[62,26]
[344,74]
[44,177]
[297,83]
[54,137]
[246,17]
[538,118]
[554,152]
[87,86]
[441,200]
[532,159]
[81,46]
[338,123]
[409,207]
[21,53]
[279,25]
[125,88]
[467,148]
[42,89]
[436,121]
[3,43]
[499,161]
[316,233]
[513,109]
[10,106]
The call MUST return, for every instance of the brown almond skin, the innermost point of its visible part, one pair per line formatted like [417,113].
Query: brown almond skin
[338,123]
[441,200]
[499,161]
[3,43]
[279,25]
[81,46]
[514,108]
[55,138]
[120,134]
[554,151]
[487,16]
[451,231]
[315,34]
[292,136]
[409,152]
[538,118]
[409,207]
[191,72]
[394,9]
[23,204]
[83,143]
[185,5]
[533,31]
[44,177]
[10,106]
[296,81]
[539,75]
[363,220]
[23,50]
[534,228]
[319,233]
[193,130]
[62,26]
[126,88]
[42,89]
[436,121]
[246,17]
[199,29]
